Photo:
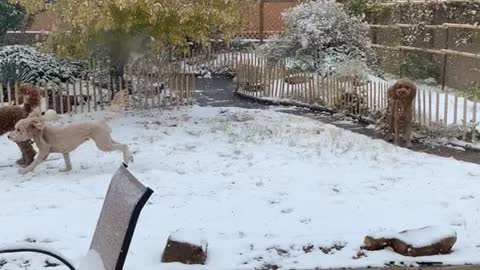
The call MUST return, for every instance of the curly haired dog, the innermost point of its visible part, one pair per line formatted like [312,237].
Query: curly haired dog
[66,139]
[401,98]
[10,115]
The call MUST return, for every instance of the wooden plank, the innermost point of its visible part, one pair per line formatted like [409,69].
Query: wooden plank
[327,91]
[463,54]
[60,97]
[414,109]
[80,94]
[166,83]
[465,121]
[176,87]
[54,96]
[276,84]
[369,92]
[455,109]
[437,109]
[267,81]
[430,108]
[424,109]
[445,112]
[385,95]
[94,93]
[282,79]
[76,99]
[1,96]
[311,85]
[17,96]
[69,98]
[110,91]
[419,107]
[382,95]
[461,26]
[399,26]
[188,79]
[9,94]
[145,86]
[158,76]
[474,121]
[100,93]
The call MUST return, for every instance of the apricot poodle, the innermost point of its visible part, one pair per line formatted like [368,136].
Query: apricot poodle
[64,140]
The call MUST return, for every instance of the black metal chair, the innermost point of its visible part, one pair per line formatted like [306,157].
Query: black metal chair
[123,203]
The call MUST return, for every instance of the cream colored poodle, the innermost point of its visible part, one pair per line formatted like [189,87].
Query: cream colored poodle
[66,139]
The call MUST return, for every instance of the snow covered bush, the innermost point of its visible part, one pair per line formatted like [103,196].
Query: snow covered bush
[319,37]
[24,64]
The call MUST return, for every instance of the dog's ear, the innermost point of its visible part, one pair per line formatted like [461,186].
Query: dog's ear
[38,122]
[35,113]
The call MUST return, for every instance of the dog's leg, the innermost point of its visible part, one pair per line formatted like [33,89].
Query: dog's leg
[41,157]
[28,153]
[396,141]
[408,133]
[68,163]
[391,116]
[107,144]
[127,155]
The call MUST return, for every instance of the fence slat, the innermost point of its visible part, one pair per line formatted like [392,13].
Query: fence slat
[437,109]
[60,97]
[430,108]
[465,121]
[1,97]
[419,108]
[474,121]
[76,99]
[425,121]
[17,100]
[445,112]
[9,94]
[455,109]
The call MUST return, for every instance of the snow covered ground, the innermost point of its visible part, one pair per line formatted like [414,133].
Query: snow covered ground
[260,186]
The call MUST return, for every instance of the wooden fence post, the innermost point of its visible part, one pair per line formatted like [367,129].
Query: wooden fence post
[261,24]
[445,58]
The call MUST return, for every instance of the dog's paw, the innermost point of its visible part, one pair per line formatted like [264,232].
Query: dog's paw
[22,171]
[20,162]
[65,170]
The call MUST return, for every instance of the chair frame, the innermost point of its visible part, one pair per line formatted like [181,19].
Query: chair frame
[125,245]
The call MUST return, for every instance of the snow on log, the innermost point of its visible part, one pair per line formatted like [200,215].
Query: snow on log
[425,241]
[185,247]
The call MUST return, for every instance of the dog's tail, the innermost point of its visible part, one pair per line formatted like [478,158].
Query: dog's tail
[31,97]
[117,108]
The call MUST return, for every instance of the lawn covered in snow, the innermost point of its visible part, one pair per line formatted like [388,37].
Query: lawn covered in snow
[259,186]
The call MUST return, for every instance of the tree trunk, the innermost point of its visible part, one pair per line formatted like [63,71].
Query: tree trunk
[117,74]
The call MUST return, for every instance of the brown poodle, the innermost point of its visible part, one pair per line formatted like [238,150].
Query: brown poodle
[400,110]
[10,115]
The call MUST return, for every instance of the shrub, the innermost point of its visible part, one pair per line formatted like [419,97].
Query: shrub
[471,90]
[24,64]
[319,37]
[419,66]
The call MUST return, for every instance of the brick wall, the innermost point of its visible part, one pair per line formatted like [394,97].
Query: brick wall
[273,18]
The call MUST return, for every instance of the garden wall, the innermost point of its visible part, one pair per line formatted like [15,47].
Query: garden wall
[460,70]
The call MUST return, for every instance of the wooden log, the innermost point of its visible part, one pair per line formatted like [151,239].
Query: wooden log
[406,242]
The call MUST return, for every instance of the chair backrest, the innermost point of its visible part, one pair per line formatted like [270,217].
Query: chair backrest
[125,199]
